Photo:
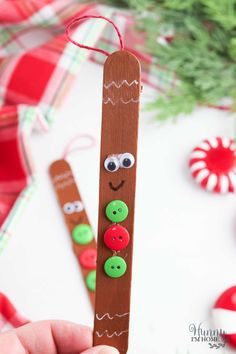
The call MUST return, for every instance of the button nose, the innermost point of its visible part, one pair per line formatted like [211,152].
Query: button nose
[116,237]
[117,211]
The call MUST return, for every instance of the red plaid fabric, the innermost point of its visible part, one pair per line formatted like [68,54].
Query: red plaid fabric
[25,69]
[14,171]
[15,11]
[9,316]
[15,165]
[32,41]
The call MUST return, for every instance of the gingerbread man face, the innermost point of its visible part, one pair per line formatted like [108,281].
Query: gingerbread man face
[68,194]
[115,162]
[72,211]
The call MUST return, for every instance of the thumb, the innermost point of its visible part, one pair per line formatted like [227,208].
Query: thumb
[101,349]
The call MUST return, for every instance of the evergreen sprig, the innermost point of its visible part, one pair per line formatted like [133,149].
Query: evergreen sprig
[202,52]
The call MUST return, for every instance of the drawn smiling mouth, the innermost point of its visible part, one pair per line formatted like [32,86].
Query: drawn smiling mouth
[116,188]
[76,221]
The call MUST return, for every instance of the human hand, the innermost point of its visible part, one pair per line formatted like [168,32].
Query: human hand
[51,337]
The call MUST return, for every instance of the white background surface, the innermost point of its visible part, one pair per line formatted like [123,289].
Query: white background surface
[185,238]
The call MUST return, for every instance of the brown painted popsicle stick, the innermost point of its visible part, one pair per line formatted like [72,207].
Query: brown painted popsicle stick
[120,113]
[75,214]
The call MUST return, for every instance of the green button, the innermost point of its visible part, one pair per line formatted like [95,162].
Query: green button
[82,234]
[117,211]
[91,280]
[115,267]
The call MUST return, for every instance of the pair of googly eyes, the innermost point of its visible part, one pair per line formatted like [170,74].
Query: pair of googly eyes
[75,207]
[114,162]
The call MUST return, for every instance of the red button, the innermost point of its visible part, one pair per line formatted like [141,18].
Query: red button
[88,258]
[116,237]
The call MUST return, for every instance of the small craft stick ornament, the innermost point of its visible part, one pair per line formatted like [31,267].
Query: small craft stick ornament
[77,222]
[118,161]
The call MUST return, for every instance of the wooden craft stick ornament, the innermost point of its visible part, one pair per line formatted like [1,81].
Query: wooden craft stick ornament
[118,160]
[76,219]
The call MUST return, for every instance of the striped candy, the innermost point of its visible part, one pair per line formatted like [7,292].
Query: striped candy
[213,165]
[224,315]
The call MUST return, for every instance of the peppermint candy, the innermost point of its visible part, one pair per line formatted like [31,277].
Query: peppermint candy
[224,315]
[213,165]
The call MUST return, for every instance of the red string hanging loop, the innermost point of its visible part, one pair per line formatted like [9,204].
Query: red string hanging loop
[69,148]
[76,20]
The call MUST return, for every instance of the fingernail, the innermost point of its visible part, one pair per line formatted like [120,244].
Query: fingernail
[108,350]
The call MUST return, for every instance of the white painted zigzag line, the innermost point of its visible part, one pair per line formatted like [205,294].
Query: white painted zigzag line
[131,100]
[119,85]
[62,176]
[106,333]
[100,318]
[64,184]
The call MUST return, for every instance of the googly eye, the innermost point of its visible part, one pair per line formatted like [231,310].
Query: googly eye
[111,163]
[127,160]
[78,205]
[69,208]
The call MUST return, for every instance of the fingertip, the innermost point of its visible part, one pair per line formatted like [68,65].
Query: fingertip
[69,334]
[46,335]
